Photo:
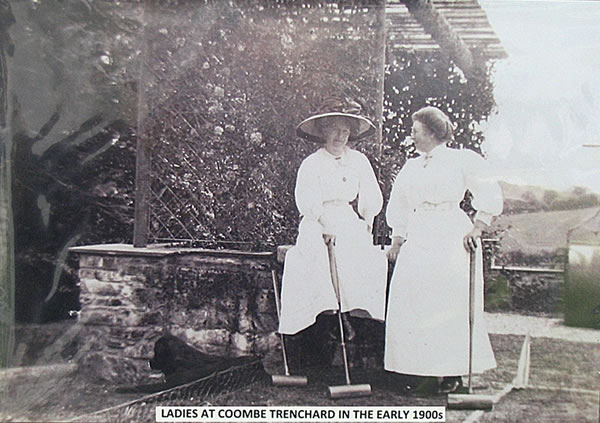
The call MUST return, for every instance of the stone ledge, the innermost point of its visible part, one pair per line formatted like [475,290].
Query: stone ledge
[163,250]
[12,374]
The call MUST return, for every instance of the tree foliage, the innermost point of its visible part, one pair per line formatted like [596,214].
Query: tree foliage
[72,119]
[537,199]
[414,80]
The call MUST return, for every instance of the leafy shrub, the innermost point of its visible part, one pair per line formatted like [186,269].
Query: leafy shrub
[581,294]
[497,293]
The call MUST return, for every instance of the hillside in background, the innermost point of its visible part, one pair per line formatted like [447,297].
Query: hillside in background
[529,199]
[546,231]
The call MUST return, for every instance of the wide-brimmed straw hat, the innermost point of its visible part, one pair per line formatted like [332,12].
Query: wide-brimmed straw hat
[336,107]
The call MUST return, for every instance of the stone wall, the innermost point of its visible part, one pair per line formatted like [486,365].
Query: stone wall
[222,302]
[219,301]
[525,283]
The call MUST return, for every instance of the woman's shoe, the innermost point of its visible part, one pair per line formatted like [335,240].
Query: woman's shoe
[398,382]
[425,387]
[450,384]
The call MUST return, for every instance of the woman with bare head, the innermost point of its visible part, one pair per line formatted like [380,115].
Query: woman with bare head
[338,197]
[427,324]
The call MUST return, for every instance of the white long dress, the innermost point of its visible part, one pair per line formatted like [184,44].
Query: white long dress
[325,186]
[427,324]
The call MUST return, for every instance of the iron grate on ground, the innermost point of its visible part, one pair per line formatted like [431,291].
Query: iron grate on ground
[196,393]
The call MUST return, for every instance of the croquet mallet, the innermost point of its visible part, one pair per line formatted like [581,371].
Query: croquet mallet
[348,390]
[469,400]
[286,379]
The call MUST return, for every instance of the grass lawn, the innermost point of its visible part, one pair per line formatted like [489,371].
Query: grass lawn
[555,364]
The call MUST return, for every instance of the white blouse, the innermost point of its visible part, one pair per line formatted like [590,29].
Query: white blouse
[439,179]
[325,179]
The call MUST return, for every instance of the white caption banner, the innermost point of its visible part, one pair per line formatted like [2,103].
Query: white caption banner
[300,414]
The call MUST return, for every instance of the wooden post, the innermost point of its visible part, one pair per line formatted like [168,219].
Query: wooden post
[142,160]
[142,193]
[382,42]
[379,226]
[7,257]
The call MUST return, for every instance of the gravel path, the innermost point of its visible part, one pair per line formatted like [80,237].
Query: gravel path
[515,324]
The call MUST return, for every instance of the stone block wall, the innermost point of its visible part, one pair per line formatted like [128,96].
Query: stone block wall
[219,301]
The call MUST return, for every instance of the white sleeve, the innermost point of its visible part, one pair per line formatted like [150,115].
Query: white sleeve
[398,208]
[308,191]
[483,184]
[370,199]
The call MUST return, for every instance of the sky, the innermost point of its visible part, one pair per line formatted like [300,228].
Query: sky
[548,93]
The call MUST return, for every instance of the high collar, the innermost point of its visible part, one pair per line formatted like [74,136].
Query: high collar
[435,151]
[331,156]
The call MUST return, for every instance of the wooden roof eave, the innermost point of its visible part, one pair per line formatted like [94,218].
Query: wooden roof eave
[438,26]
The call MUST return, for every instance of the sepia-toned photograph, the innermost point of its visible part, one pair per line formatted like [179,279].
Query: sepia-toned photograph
[300,210]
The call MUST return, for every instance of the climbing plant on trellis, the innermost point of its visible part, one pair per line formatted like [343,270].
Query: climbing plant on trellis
[224,90]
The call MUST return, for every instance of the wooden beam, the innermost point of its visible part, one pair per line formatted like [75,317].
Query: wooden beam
[430,48]
[471,13]
[438,26]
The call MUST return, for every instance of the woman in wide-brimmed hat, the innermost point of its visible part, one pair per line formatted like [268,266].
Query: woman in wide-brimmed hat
[427,324]
[330,181]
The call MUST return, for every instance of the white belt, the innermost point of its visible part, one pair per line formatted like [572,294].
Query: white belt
[444,206]
[336,203]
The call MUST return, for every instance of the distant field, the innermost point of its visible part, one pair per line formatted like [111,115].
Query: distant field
[546,231]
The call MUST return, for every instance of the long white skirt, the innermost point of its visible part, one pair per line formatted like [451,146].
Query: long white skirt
[427,326]
[307,288]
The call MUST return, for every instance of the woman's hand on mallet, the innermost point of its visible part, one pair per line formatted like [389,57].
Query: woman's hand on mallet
[329,239]
[392,253]
[470,239]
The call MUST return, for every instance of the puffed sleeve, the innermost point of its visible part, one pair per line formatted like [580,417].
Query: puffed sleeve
[308,190]
[370,199]
[398,208]
[483,184]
